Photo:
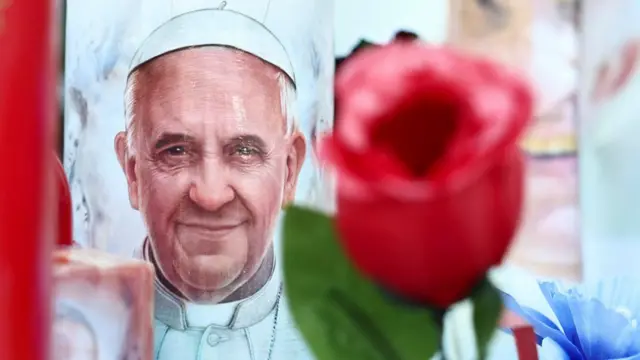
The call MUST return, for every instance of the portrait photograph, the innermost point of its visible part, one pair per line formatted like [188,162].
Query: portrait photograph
[188,127]
[549,242]
[539,39]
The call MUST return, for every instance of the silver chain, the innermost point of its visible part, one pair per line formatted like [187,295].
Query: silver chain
[272,342]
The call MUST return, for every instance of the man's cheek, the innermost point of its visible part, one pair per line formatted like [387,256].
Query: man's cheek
[159,188]
[266,196]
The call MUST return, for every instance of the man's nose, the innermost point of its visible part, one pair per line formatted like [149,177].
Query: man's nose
[211,189]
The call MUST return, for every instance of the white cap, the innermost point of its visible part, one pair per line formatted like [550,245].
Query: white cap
[214,27]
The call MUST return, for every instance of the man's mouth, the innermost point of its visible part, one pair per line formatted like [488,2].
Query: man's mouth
[205,239]
[213,229]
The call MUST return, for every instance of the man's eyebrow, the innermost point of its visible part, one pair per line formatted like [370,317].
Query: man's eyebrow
[172,138]
[250,140]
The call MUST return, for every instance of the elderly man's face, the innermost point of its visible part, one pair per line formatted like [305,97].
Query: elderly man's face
[213,164]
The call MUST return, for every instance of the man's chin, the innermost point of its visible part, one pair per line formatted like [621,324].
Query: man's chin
[209,273]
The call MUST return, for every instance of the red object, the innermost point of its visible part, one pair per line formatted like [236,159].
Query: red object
[525,343]
[65,221]
[430,176]
[28,71]
[523,334]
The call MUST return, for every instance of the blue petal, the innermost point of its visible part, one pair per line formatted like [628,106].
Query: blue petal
[633,357]
[550,350]
[543,326]
[560,306]
[605,333]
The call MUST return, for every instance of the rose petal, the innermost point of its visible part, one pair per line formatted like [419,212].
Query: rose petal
[496,104]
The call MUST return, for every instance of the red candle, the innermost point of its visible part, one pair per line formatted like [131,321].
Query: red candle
[64,213]
[27,119]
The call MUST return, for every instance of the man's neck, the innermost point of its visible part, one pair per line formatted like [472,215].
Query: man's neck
[257,282]
[252,286]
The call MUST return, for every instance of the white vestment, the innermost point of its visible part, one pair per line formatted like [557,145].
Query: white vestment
[257,328]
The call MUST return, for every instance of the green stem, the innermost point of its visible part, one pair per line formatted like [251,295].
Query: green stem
[438,316]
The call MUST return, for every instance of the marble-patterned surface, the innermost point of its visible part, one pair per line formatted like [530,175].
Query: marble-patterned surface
[101,38]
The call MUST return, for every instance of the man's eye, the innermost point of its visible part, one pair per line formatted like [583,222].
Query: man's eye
[245,151]
[176,151]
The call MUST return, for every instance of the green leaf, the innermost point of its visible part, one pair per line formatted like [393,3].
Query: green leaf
[341,314]
[487,308]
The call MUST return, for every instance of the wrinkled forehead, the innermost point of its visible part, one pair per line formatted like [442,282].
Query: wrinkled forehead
[208,78]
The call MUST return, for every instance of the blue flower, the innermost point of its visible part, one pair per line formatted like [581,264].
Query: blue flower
[594,322]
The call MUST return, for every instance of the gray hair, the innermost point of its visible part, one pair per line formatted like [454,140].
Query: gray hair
[288,105]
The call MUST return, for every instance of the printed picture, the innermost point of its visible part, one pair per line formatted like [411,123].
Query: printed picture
[96,317]
[188,128]
[74,336]
[499,29]
[539,39]
[549,241]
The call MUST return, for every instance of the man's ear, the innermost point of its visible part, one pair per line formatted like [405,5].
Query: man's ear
[128,164]
[295,159]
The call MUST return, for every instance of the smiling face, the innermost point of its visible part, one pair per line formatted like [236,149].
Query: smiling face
[211,164]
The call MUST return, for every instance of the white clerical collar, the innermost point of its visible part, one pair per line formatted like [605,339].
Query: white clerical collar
[183,315]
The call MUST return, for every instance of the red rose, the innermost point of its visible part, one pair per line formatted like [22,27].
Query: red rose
[430,176]
[64,206]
